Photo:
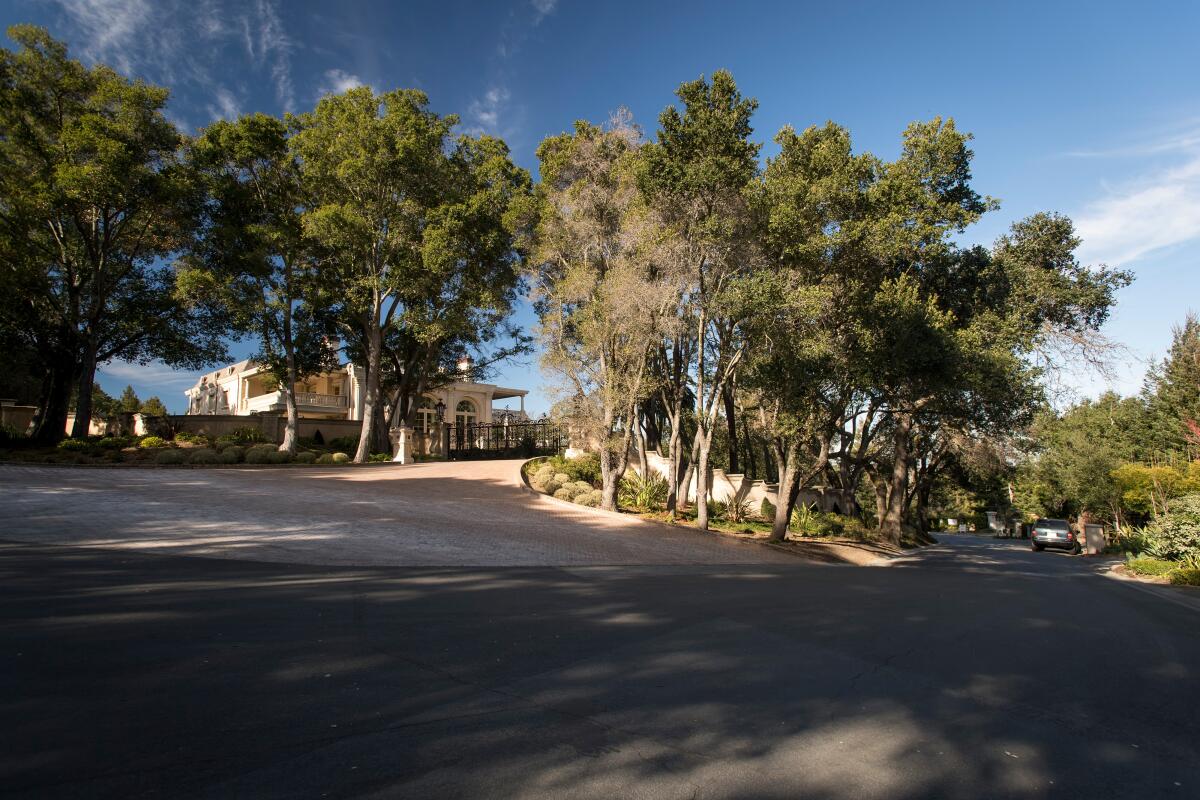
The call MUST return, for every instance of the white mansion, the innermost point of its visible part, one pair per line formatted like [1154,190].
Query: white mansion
[245,388]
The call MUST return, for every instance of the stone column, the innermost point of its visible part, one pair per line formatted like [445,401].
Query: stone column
[402,444]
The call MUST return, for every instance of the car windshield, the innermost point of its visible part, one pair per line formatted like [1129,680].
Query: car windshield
[1053,524]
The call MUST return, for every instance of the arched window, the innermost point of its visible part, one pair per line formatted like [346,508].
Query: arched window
[465,414]
[426,414]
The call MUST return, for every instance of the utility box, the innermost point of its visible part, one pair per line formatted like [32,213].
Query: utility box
[1093,537]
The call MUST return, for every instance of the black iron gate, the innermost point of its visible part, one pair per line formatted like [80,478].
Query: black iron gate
[504,440]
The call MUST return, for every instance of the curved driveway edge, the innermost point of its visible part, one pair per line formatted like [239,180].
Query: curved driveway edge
[432,514]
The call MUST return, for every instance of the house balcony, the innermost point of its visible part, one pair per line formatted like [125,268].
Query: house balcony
[305,401]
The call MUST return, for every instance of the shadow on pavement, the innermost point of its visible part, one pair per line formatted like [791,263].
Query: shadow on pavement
[137,675]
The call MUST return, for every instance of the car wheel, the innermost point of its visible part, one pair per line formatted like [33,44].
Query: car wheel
[1076,550]
[1037,548]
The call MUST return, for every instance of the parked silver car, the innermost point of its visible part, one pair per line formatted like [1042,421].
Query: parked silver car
[1054,533]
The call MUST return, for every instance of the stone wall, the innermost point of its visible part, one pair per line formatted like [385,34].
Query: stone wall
[272,426]
[736,488]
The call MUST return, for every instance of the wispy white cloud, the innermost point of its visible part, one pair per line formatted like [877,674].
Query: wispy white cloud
[225,105]
[337,81]
[1183,137]
[542,9]
[274,50]
[182,43]
[155,373]
[1144,216]
[484,114]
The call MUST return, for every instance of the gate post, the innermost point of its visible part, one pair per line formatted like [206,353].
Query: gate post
[402,444]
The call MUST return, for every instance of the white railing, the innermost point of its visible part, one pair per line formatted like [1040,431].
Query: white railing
[323,400]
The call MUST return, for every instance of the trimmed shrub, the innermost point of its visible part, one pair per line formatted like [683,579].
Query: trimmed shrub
[1144,565]
[551,486]
[580,487]
[230,455]
[341,458]
[564,494]
[114,442]
[592,499]
[325,458]
[191,438]
[766,510]
[153,441]
[261,455]
[1176,536]
[583,468]
[1186,576]
[306,457]
[378,458]
[203,455]
[279,457]
[170,456]
[74,445]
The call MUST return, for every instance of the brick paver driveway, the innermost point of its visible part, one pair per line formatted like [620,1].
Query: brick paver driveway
[438,514]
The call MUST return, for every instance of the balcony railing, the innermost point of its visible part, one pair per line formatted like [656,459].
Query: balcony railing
[323,400]
[274,400]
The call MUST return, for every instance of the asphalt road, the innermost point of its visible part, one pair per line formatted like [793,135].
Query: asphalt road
[977,669]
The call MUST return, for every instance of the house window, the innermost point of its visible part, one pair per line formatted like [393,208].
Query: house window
[464,414]
[426,414]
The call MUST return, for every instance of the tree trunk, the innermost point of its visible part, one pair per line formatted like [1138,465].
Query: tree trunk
[612,470]
[785,497]
[374,342]
[881,496]
[702,481]
[289,386]
[614,458]
[751,461]
[893,520]
[51,425]
[83,401]
[674,411]
[653,436]
[731,427]
[685,486]
[643,458]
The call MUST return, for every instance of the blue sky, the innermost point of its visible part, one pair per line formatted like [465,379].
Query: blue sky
[1090,109]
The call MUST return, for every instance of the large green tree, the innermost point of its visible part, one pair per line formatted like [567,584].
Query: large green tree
[93,206]
[697,174]
[414,230]
[598,296]
[811,204]
[250,257]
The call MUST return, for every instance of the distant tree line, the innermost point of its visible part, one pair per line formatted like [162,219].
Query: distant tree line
[1120,460]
